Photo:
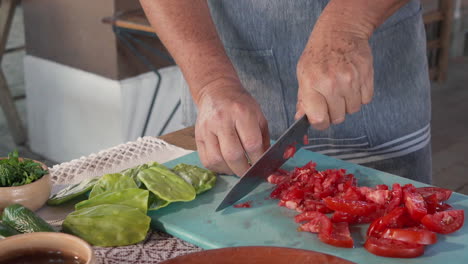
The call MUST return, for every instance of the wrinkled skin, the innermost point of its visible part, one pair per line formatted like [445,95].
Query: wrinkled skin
[335,75]
[227,117]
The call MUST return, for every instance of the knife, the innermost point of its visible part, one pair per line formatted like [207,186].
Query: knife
[268,163]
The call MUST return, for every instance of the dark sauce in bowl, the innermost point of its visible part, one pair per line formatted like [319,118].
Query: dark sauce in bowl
[40,256]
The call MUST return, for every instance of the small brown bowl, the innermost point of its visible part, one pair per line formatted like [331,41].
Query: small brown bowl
[46,241]
[32,195]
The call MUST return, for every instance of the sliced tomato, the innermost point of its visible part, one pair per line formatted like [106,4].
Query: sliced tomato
[338,217]
[415,204]
[445,222]
[397,197]
[339,236]
[411,235]
[443,207]
[379,196]
[350,207]
[393,248]
[440,193]
[305,140]
[289,152]
[390,220]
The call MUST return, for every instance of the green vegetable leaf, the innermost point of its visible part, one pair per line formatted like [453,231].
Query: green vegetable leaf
[201,179]
[72,191]
[165,184]
[108,225]
[136,198]
[111,183]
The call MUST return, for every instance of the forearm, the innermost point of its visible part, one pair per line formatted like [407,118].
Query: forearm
[186,29]
[358,16]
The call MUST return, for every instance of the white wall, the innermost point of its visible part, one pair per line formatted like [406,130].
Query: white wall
[72,113]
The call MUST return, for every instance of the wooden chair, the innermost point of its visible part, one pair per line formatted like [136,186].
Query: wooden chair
[438,25]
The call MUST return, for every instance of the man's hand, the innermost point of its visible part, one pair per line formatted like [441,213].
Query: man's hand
[335,72]
[229,121]
[335,75]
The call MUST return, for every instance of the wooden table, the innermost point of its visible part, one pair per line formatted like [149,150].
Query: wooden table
[184,138]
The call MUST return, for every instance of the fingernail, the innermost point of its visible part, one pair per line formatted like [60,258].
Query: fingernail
[338,120]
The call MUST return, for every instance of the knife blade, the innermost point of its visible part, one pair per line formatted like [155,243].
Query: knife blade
[268,163]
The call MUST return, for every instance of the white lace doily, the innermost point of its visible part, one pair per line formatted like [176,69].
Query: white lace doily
[116,159]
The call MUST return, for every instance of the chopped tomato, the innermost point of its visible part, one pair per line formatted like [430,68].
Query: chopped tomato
[314,205]
[338,217]
[279,190]
[445,222]
[276,178]
[364,190]
[352,194]
[247,204]
[305,139]
[440,193]
[443,207]
[381,187]
[393,248]
[350,207]
[390,220]
[339,236]
[379,196]
[317,222]
[289,152]
[397,194]
[415,204]
[411,235]
[308,216]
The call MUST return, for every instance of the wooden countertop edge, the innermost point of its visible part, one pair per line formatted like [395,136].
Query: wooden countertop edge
[184,138]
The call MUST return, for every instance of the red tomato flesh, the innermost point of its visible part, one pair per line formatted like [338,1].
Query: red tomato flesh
[411,235]
[350,207]
[391,248]
[441,193]
[289,152]
[247,204]
[390,220]
[379,196]
[339,236]
[317,222]
[415,204]
[445,222]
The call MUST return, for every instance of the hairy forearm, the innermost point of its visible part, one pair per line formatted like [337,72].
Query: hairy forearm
[358,16]
[186,29]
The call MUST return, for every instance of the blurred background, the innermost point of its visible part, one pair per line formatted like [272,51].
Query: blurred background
[82,76]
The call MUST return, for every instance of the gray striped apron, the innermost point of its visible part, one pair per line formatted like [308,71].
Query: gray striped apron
[264,40]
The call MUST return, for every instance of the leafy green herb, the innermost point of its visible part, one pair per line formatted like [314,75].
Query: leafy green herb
[16,172]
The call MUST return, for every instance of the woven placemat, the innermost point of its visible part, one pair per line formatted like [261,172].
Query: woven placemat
[158,246]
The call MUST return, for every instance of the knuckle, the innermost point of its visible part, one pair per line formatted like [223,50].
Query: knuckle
[213,161]
[239,108]
[252,145]
[218,115]
[233,155]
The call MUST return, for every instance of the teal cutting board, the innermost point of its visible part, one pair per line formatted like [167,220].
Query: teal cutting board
[266,224]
